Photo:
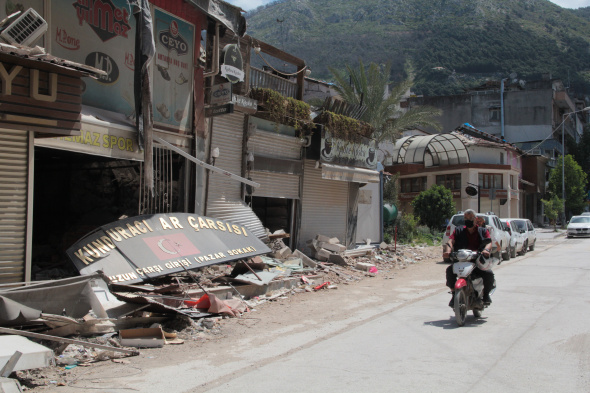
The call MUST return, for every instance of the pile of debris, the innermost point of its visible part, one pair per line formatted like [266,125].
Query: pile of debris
[86,319]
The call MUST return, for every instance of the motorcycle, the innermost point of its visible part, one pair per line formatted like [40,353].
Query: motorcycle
[468,291]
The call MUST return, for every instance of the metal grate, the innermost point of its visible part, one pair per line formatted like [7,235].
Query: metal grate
[162,200]
[26,29]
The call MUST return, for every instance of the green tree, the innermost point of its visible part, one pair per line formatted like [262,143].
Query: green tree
[553,208]
[368,85]
[575,184]
[433,206]
[582,150]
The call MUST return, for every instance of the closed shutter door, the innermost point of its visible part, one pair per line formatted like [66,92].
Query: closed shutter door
[274,184]
[227,135]
[275,145]
[224,194]
[14,158]
[324,206]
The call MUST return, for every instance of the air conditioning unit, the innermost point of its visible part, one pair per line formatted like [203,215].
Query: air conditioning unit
[23,28]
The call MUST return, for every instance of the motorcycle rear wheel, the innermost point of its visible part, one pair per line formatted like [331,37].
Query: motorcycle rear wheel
[460,307]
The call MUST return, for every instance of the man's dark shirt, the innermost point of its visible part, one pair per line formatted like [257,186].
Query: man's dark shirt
[463,239]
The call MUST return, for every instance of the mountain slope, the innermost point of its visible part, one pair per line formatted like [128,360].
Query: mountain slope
[452,43]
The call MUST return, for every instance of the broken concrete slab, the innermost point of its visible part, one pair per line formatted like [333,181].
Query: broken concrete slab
[285,252]
[334,240]
[364,266]
[9,385]
[337,259]
[33,355]
[332,247]
[323,254]
[305,259]
[322,238]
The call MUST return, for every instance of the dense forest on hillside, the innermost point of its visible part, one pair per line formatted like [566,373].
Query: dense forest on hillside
[452,44]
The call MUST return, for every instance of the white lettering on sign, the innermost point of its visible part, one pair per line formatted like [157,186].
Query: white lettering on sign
[6,78]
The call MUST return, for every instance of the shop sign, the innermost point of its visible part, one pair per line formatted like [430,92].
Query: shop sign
[141,248]
[232,68]
[221,93]
[173,71]
[338,151]
[100,34]
[245,104]
[98,140]
[20,85]
[219,110]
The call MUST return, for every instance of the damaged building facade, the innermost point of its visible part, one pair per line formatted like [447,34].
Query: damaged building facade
[82,166]
[219,148]
[307,178]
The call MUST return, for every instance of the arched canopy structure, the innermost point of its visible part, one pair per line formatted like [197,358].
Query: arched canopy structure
[431,150]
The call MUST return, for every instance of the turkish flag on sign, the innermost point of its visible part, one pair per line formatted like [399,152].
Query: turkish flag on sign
[171,246]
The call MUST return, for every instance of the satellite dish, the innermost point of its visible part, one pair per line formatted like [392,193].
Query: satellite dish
[471,191]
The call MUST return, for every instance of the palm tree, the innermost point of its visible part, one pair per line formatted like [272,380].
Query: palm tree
[368,87]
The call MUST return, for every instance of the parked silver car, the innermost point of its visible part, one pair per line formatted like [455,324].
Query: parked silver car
[578,226]
[525,227]
[517,239]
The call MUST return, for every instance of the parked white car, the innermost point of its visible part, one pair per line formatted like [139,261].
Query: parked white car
[579,226]
[500,238]
[525,227]
[516,238]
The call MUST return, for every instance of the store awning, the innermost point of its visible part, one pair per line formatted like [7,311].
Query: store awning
[350,174]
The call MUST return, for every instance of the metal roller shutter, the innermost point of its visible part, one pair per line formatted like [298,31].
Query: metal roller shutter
[224,194]
[14,158]
[324,206]
[227,135]
[276,185]
[275,145]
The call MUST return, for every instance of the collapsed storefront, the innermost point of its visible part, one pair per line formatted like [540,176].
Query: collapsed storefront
[97,173]
[40,98]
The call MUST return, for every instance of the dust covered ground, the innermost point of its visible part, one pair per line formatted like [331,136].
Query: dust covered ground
[404,276]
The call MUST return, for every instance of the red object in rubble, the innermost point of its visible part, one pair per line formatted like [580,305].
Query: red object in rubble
[203,302]
[322,285]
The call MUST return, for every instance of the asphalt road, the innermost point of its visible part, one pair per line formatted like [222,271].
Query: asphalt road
[534,338]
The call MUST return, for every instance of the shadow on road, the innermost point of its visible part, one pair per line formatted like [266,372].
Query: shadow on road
[452,324]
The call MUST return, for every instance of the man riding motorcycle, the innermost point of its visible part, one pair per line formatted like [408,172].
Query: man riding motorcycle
[469,237]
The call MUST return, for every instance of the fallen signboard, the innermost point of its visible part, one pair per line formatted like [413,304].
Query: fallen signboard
[137,249]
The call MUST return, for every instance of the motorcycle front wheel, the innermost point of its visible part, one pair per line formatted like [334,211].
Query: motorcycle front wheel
[460,307]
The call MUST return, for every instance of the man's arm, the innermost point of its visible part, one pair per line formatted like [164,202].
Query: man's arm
[447,248]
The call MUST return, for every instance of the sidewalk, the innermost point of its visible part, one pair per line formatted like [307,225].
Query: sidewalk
[550,233]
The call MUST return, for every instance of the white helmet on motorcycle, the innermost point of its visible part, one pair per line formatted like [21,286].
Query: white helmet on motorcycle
[484,263]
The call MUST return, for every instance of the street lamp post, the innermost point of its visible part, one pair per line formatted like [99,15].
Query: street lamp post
[564,118]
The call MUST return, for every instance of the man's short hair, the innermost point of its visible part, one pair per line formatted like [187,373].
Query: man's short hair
[469,211]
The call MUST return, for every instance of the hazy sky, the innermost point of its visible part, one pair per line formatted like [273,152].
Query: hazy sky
[248,5]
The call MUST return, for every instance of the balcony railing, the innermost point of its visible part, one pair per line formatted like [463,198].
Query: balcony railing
[266,80]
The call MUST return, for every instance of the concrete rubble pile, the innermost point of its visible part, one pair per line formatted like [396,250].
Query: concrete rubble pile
[114,320]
